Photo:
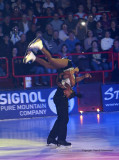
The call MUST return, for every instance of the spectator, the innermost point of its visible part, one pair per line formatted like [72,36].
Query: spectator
[48,13]
[98,32]
[7,9]
[98,61]
[19,3]
[31,34]
[88,5]
[105,21]
[38,11]
[88,40]
[1,34]
[115,54]
[114,30]
[91,23]
[115,73]
[1,17]
[64,51]
[80,13]
[116,50]
[16,13]
[17,67]
[30,3]
[63,33]
[48,33]
[71,41]
[2,73]
[61,13]
[71,22]
[106,42]
[1,5]
[15,34]
[7,25]
[81,31]
[56,22]
[81,61]
[56,43]
[48,3]
[22,45]
[94,12]
[65,4]
[7,46]
[23,8]
[24,25]
[31,16]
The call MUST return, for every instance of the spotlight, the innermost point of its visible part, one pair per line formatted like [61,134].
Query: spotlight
[98,110]
[83,23]
[81,112]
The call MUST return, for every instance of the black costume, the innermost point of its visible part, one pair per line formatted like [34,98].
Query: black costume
[60,127]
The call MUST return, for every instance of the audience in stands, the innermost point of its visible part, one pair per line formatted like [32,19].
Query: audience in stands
[66,29]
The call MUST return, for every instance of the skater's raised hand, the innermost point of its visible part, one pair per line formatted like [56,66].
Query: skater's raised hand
[87,75]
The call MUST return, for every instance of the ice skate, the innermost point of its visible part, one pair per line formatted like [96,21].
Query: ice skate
[30,57]
[51,141]
[63,145]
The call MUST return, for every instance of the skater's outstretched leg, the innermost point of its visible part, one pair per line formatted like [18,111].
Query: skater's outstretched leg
[38,45]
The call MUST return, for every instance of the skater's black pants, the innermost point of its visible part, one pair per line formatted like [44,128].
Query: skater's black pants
[60,127]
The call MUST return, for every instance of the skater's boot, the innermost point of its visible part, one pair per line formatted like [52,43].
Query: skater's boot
[51,141]
[30,57]
[63,143]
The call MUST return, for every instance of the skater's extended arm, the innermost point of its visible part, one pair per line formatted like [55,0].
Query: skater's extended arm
[87,75]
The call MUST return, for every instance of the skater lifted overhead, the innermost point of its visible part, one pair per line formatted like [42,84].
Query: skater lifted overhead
[66,80]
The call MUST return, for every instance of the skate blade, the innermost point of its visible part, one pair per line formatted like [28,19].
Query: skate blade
[52,146]
[63,147]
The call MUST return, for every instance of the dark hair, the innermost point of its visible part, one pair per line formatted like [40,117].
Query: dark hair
[94,41]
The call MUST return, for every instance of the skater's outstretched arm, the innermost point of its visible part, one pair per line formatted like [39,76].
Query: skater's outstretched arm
[87,75]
